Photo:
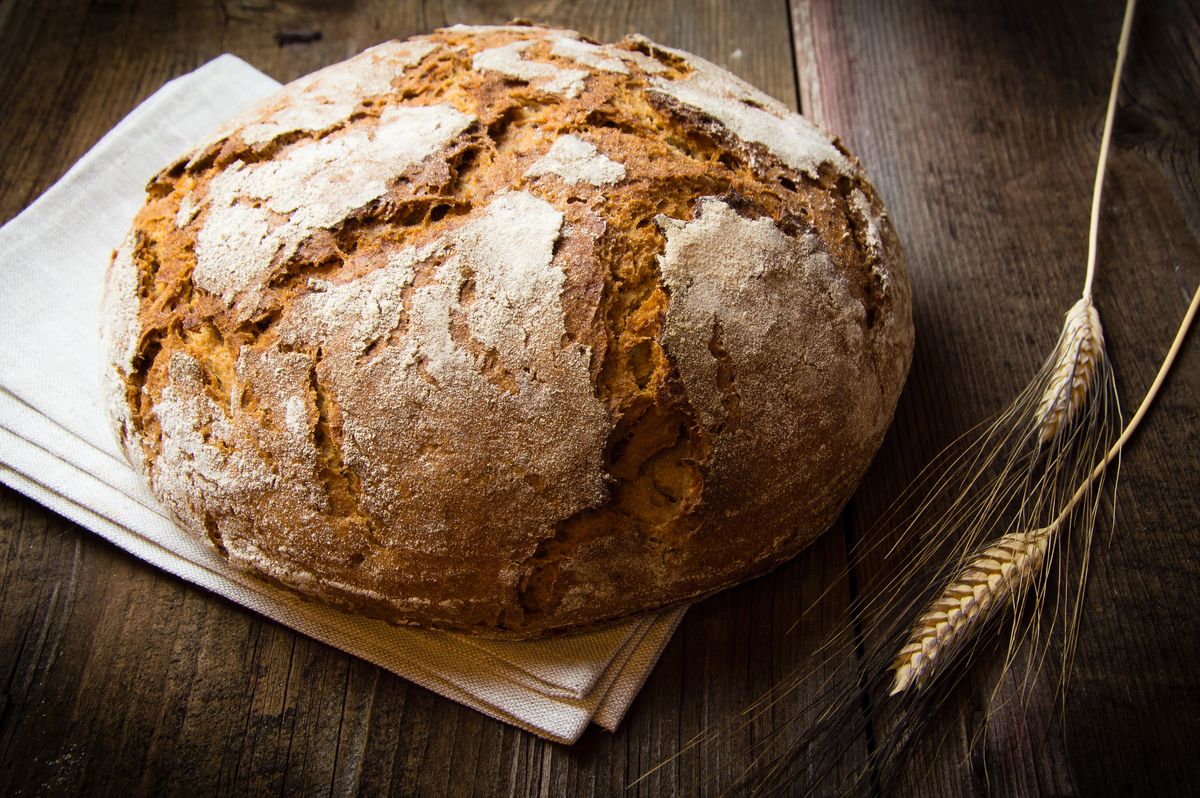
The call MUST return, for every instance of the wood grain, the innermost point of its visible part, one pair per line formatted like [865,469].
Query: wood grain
[979,126]
[120,679]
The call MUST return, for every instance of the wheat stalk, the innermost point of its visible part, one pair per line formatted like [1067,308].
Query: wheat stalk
[1076,360]
[1002,570]
[1006,568]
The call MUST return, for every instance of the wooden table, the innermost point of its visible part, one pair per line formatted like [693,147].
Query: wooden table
[980,126]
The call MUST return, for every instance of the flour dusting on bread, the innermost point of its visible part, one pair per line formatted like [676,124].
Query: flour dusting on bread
[259,212]
[753,116]
[327,98]
[507,60]
[588,54]
[577,161]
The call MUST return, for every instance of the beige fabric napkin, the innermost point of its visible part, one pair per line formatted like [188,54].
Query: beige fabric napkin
[56,447]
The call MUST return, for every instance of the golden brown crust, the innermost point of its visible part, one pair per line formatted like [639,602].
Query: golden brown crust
[504,331]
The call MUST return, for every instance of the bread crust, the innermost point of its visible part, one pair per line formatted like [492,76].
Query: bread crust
[504,331]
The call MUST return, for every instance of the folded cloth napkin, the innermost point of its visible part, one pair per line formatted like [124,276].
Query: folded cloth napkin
[56,446]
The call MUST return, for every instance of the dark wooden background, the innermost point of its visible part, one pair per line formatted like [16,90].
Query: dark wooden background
[979,123]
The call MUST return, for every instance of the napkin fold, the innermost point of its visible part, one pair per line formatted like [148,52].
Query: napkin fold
[56,446]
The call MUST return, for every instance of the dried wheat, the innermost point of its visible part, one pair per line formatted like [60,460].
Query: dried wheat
[1077,357]
[1003,570]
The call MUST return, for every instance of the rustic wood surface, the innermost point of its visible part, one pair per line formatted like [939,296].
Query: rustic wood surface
[979,125]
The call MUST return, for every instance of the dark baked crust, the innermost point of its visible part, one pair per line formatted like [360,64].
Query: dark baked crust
[502,331]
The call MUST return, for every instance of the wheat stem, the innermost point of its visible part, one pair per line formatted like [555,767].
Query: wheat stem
[1007,567]
[1147,400]
[1105,140]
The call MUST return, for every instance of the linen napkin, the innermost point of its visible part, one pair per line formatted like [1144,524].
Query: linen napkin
[56,446]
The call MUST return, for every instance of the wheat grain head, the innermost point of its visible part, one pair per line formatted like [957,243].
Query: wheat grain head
[1003,570]
[1075,361]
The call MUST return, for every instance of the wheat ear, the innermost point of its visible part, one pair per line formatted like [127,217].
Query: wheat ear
[1007,567]
[1004,570]
[1077,358]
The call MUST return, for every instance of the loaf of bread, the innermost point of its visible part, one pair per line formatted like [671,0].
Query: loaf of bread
[503,331]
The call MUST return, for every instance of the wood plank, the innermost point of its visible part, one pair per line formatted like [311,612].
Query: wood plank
[120,679]
[980,125]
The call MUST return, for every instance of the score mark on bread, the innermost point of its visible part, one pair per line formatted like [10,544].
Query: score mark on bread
[505,331]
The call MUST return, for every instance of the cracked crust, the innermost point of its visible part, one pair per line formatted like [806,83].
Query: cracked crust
[505,331]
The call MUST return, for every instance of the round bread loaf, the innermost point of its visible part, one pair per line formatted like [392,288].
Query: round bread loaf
[503,331]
